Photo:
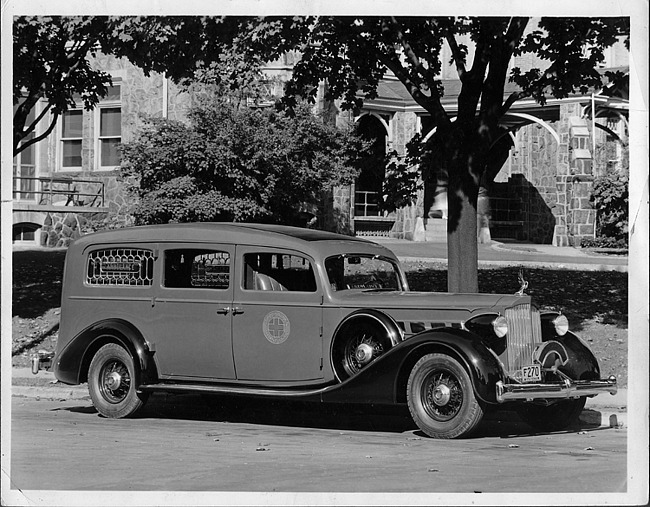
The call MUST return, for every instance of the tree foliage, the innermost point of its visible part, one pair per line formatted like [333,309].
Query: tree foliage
[353,54]
[53,60]
[237,164]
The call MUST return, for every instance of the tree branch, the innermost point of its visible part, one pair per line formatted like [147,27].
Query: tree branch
[457,54]
[36,139]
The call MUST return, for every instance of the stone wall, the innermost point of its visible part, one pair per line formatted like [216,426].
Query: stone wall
[575,218]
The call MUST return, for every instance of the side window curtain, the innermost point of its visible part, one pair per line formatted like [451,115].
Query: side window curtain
[197,269]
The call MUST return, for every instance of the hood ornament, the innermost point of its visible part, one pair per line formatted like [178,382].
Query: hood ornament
[522,282]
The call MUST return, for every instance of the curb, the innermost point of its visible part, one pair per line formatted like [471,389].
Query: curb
[52,392]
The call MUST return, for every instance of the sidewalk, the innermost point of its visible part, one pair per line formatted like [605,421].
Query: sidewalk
[510,254]
[603,410]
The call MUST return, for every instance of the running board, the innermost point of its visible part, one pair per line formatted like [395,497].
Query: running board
[251,391]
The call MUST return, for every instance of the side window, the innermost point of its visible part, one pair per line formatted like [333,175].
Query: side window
[192,268]
[278,272]
[120,266]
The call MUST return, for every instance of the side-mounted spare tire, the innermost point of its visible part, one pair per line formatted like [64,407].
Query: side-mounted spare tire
[112,382]
[360,339]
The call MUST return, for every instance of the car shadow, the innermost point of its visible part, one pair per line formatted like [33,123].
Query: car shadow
[297,414]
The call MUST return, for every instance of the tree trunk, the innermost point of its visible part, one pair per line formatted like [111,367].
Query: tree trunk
[462,245]
[462,196]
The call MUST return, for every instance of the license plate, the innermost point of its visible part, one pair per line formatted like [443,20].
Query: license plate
[531,373]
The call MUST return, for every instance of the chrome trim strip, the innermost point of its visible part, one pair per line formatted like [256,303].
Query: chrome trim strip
[565,389]
[220,389]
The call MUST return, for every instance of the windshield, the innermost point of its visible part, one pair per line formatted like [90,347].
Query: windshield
[369,272]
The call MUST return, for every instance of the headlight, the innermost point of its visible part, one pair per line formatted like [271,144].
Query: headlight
[561,325]
[500,326]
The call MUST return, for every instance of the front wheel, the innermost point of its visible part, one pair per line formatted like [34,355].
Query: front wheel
[553,417]
[111,382]
[441,399]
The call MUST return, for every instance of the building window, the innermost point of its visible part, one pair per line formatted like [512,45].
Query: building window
[25,233]
[71,139]
[24,180]
[109,129]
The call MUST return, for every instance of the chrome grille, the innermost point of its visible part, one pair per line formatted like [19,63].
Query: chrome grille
[524,334]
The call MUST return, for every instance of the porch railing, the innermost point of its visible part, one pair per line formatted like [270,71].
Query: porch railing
[59,191]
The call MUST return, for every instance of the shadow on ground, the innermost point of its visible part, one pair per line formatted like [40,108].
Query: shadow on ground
[301,417]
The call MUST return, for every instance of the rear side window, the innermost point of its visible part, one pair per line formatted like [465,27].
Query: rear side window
[120,267]
[278,272]
[194,268]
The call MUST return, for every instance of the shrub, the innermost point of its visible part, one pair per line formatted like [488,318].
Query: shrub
[233,163]
[603,242]
[610,199]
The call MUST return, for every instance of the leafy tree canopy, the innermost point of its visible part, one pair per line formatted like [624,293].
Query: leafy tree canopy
[237,164]
[353,54]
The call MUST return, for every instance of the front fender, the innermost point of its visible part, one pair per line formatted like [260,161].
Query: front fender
[384,380]
[72,363]
[582,364]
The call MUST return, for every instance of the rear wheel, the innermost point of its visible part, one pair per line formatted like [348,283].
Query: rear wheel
[555,417]
[111,382]
[441,398]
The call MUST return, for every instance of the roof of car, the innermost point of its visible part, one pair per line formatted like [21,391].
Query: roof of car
[221,232]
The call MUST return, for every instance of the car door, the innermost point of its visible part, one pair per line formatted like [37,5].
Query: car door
[277,317]
[192,312]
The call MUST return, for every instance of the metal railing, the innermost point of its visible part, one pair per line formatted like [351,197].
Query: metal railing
[59,191]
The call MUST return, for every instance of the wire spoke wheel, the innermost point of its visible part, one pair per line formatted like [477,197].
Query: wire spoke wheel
[111,382]
[115,381]
[358,344]
[359,351]
[441,397]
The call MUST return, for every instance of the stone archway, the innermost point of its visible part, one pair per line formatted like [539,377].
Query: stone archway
[368,218]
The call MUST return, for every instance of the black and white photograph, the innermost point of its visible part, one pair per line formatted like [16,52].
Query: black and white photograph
[324,253]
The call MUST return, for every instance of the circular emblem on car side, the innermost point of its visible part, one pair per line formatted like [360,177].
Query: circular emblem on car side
[276,327]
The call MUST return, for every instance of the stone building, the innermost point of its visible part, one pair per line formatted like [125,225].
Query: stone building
[70,182]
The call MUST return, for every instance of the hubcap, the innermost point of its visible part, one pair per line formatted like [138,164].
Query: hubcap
[441,395]
[364,353]
[113,380]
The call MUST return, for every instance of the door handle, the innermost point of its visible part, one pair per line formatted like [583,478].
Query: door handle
[223,311]
[237,310]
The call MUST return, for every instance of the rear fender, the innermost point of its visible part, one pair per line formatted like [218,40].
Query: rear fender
[72,363]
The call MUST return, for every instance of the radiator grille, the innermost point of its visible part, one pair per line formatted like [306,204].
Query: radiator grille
[524,334]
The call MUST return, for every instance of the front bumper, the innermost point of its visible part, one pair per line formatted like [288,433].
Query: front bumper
[563,389]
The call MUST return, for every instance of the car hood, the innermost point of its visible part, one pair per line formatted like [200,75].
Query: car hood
[427,300]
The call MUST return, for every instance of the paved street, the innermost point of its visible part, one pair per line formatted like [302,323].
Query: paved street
[186,443]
